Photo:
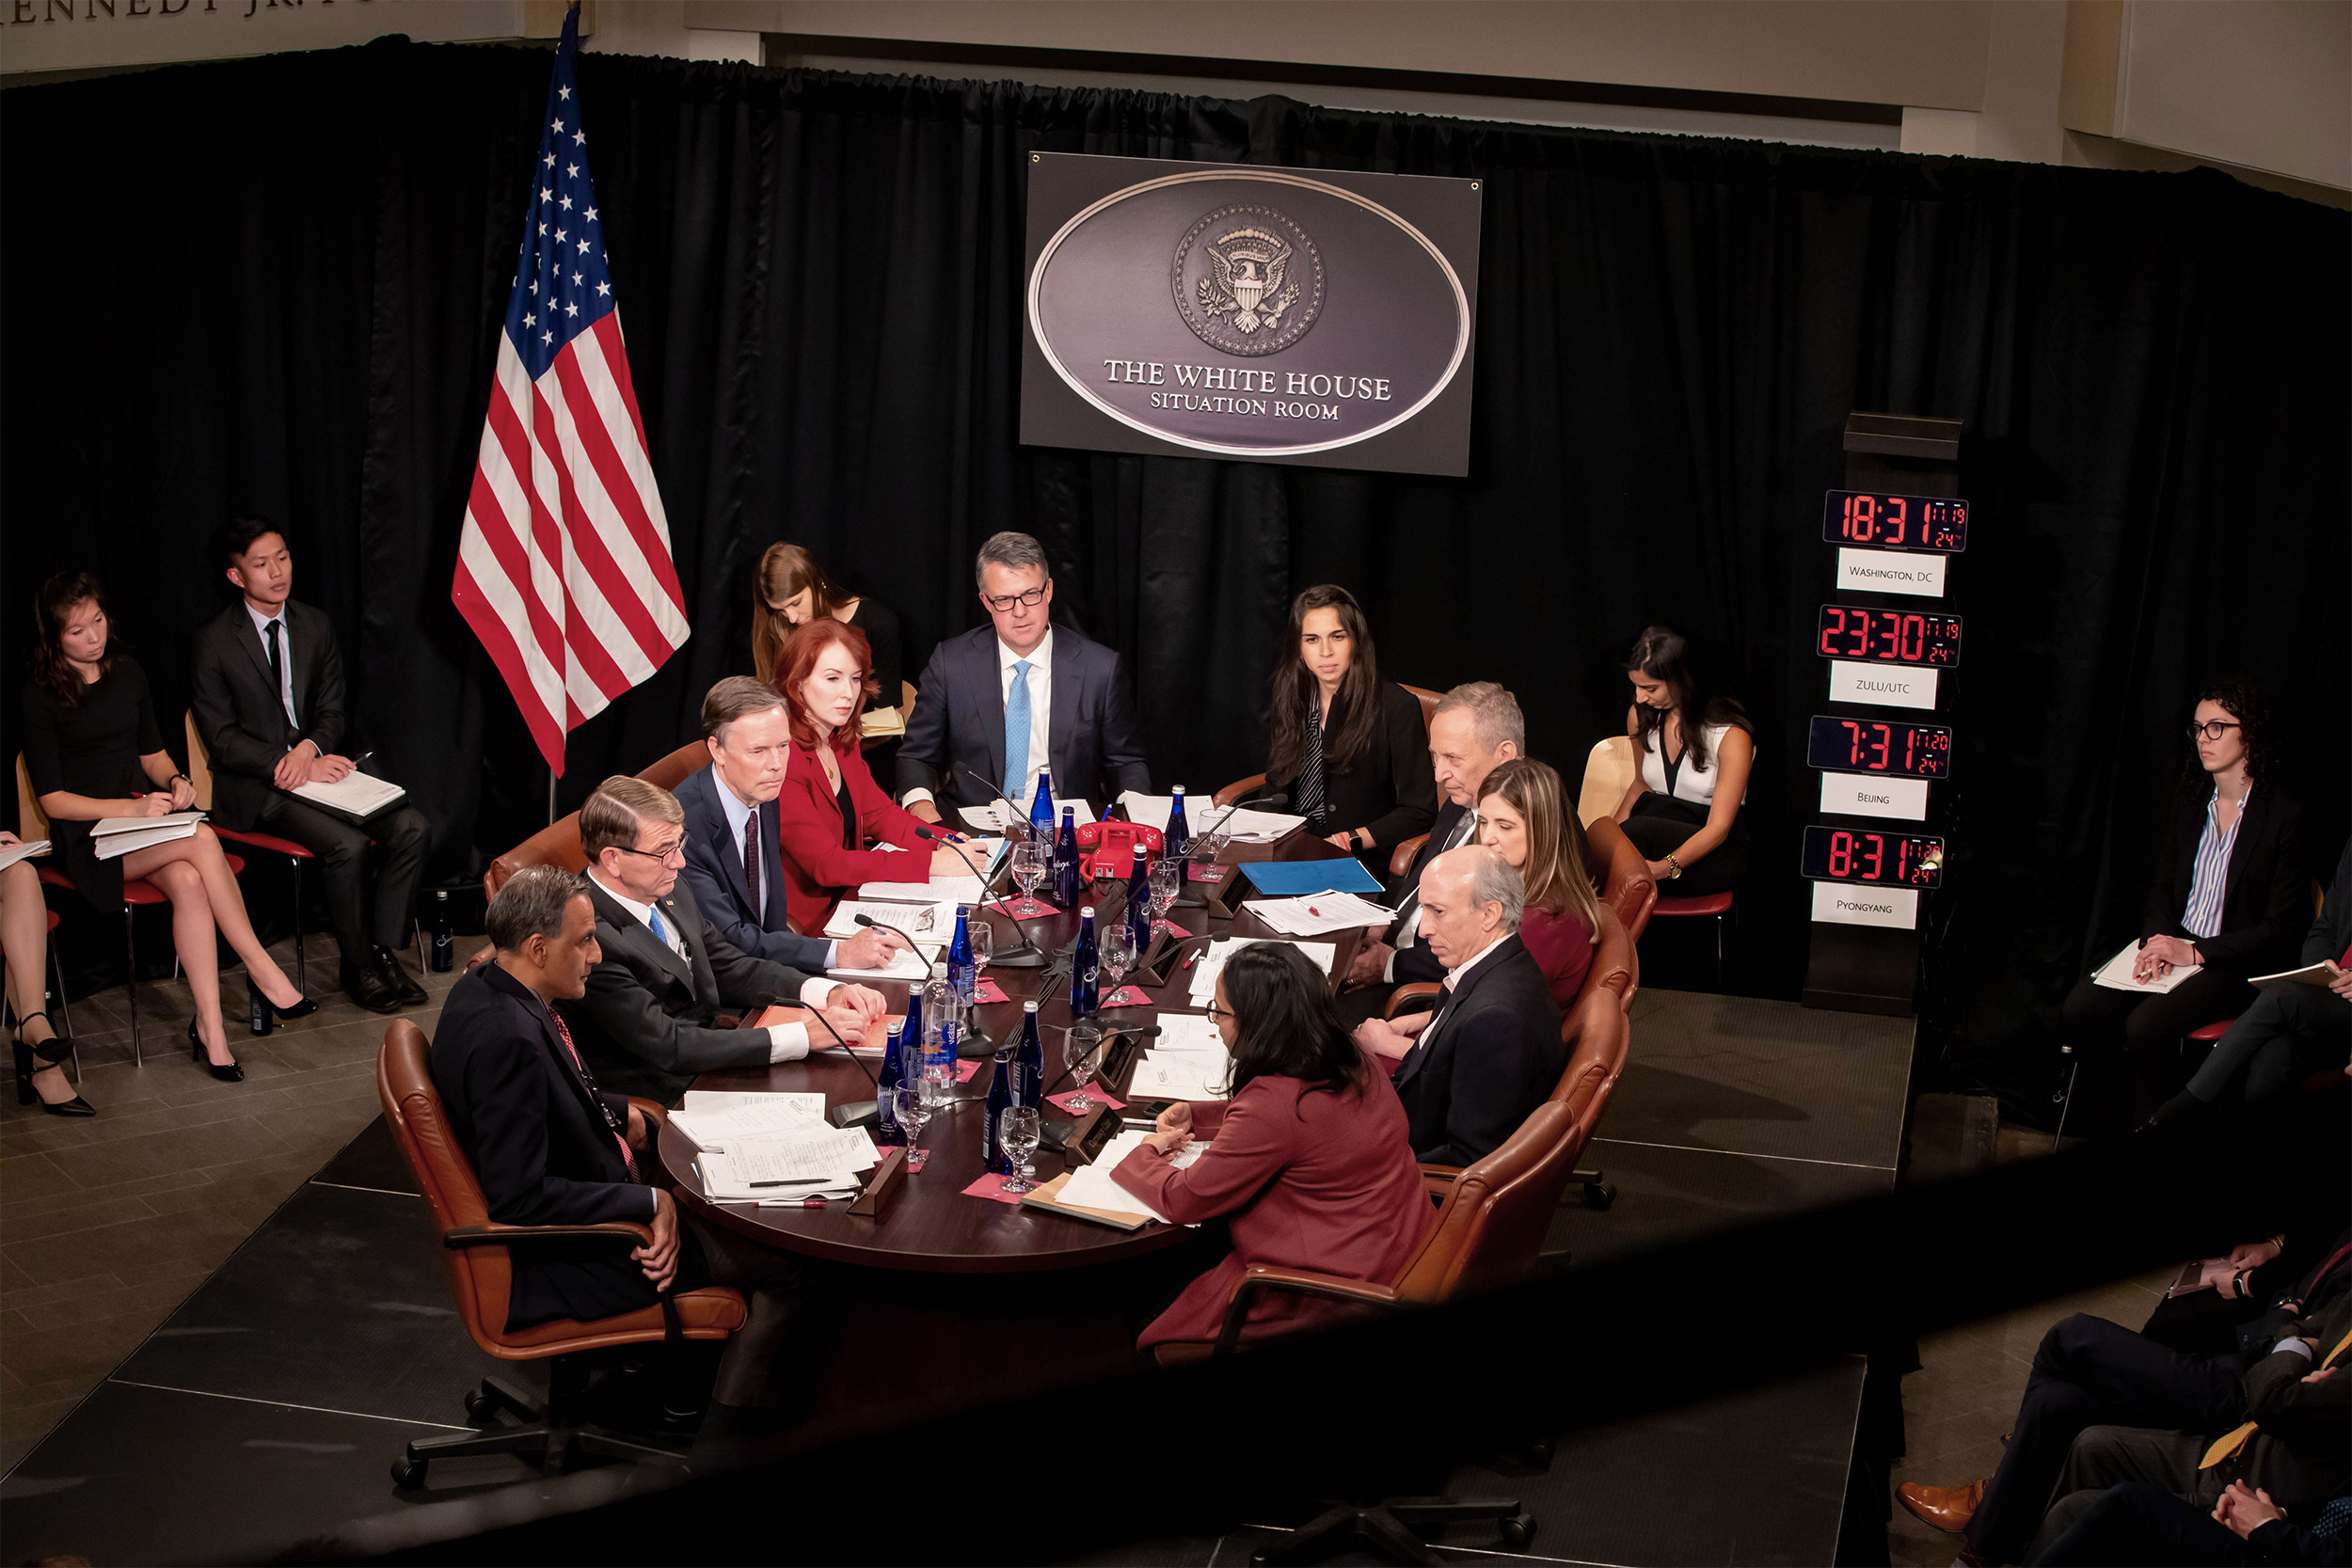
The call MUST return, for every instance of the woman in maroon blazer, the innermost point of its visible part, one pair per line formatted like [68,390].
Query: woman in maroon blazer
[1523,816]
[1310,1158]
[831,807]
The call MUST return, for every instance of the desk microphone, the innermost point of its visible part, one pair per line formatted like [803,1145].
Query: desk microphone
[1108,1035]
[1016,823]
[1029,957]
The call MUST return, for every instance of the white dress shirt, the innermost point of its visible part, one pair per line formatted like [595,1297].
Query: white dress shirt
[1040,713]
[738,819]
[1410,927]
[786,1042]
[285,657]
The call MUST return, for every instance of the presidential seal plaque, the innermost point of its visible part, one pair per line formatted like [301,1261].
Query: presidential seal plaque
[1248,280]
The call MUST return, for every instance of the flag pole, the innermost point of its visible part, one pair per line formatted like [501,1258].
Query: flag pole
[551,797]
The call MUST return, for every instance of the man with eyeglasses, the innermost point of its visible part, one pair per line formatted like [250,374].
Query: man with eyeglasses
[649,1020]
[1004,700]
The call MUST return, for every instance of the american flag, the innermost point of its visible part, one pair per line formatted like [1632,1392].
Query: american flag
[563,568]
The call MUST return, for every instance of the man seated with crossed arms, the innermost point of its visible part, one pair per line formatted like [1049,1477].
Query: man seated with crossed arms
[1470,1072]
[649,1020]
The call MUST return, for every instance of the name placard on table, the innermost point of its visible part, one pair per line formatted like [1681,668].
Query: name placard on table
[1891,571]
[1874,795]
[1846,903]
[1887,684]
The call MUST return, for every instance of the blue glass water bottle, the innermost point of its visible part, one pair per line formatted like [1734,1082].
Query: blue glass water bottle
[1041,805]
[1177,842]
[1084,963]
[962,973]
[1067,879]
[893,1073]
[1028,1061]
[1139,903]
[999,1097]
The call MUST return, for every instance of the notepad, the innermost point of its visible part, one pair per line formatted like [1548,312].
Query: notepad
[2116,975]
[354,795]
[31,849]
[1293,878]
[2320,973]
[116,837]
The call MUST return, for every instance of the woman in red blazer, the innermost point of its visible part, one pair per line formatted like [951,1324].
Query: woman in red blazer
[1310,1157]
[830,808]
[1523,817]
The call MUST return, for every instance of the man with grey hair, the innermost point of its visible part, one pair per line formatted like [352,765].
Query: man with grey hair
[1001,702]
[1477,1068]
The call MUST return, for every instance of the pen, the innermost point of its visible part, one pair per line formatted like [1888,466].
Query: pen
[796,1182]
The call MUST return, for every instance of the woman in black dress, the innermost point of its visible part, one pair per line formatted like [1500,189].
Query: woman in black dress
[94,751]
[1350,748]
[791,590]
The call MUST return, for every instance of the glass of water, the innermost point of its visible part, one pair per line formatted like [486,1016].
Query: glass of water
[1031,860]
[912,1104]
[1115,944]
[1168,881]
[1081,1053]
[1017,1130]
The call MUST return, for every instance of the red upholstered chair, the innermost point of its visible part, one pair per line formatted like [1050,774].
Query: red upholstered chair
[558,843]
[480,1273]
[1717,906]
[1241,789]
[200,775]
[65,1013]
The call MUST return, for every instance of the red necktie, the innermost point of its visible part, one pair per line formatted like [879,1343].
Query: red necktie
[620,1137]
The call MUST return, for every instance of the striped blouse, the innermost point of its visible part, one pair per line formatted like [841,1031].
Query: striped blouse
[2202,918]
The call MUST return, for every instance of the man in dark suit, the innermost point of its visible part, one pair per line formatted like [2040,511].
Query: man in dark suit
[649,1020]
[733,868]
[267,690]
[1017,695]
[550,1147]
[1491,1053]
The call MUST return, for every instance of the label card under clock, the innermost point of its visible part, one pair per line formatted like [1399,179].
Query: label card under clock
[1844,904]
[1888,685]
[1874,795]
[1891,571]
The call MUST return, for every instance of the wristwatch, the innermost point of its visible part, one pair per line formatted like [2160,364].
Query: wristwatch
[1673,868]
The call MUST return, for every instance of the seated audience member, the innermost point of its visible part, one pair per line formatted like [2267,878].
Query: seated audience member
[1348,748]
[1696,748]
[791,590]
[93,750]
[733,861]
[649,1019]
[830,808]
[1475,727]
[2290,1030]
[41,1052]
[2090,1373]
[1523,816]
[1470,1072]
[2134,1522]
[2226,892]
[266,686]
[2204,1315]
[1309,1157]
[1019,694]
[552,1146]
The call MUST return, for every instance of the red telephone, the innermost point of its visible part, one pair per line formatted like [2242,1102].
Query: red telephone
[1108,848]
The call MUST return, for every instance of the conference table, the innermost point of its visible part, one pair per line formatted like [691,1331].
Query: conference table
[1004,1296]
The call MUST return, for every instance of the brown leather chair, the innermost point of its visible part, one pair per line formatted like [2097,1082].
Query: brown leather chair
[558,843]
[1241,789]
[1626,886]
[1616,969]
[480,1273]
[1601,1038]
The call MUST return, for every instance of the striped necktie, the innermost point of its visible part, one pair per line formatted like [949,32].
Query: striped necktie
[1311,801]
[564,1033]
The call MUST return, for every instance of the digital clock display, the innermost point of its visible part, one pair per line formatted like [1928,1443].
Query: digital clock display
[1887,636]
[1859,855]
[1895,522]
[1879,746]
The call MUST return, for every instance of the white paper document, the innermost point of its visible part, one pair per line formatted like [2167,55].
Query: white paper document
[1187,1032]
[356,793]
[991,818]
[32,849]
[716,1128]
[1093,1187]
[789,1165]
[954,890]
[934,920]
[1182,1075]
[1314,913]
[116,836]
[1212,962]
[2319,973]
[1245,826]
[2117,973]
[911,964]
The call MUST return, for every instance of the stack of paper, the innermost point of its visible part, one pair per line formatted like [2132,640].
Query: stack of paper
[33,849]
[1212,962]
[1316,913]
[933,919]
[881,721]
[1245,826]
[1092,1186]
[715,1122]
[354,795]
[911,964]
[993,816]
[1188,1061]
[953,890]
[116,836]
[803,1162]
[2117,973]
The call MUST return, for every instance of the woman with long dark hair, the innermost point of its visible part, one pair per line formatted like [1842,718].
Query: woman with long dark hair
[1696,748]
[790,589]
[1351,750]
[2228,893]
[94,751]
[1309,1155]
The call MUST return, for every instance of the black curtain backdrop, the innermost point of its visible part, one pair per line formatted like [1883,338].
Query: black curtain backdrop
[819,279]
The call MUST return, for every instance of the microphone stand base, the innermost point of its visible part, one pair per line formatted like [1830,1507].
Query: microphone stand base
[1016,960]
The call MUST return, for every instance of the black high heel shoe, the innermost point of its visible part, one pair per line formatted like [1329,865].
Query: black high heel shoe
[233,1073]
[262,1014]
[40,1057]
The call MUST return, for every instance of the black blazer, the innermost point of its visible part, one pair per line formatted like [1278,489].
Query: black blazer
[237,708]
[714,875]
[1491,1054]
[1416,963]
[1092,743]
[2262,898]
[534,1129]
[2332,931]
[646,1026]
[1389,788]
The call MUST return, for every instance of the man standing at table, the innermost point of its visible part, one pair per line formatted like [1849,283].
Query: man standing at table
[267,691]
[1005,700]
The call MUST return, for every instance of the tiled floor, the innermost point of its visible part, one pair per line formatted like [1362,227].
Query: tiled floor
[108,1223]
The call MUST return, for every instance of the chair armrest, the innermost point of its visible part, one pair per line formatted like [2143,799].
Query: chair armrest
[1239,789]
[1416,991]
[494,1234]
[1304,1282]
[1438,1181]
[1401,859]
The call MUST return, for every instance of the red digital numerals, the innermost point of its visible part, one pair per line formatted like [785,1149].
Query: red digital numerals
[1888,636]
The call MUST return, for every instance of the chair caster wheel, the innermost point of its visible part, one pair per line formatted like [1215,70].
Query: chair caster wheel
[1518,1530]
[408,1474]
[1600,1194]
[480,1409]
[1539,1455]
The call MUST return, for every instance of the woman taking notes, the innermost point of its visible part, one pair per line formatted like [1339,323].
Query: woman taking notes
[93,751]
[1523,817]
[1309,1157]
[1696,749]
[1349,747]
[791,590]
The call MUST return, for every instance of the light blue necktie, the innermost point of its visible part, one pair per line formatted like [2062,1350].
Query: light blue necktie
[1017,732]
[661,932]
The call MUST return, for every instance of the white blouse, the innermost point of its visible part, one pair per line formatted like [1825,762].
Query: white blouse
[1690,782]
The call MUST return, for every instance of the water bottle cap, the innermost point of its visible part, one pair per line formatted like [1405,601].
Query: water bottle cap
[1177,789]
[939,971]
[1087,913]
[896,1026]
[1028,1006]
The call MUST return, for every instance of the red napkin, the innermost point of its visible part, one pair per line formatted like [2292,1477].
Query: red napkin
[989,990]
[1005,909]
[1093,1092]
[965,1070]
[991,1186]
[1126,996]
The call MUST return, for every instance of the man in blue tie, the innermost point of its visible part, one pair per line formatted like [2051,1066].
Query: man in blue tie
[1006,700]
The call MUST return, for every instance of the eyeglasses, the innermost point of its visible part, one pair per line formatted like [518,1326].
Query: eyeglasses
[1217,1012]
[2212,729]
[1002,602]
[674,851]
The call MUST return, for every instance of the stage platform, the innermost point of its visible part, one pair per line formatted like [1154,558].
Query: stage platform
[264,1413]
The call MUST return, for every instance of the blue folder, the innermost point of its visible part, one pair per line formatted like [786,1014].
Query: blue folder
[1293,878]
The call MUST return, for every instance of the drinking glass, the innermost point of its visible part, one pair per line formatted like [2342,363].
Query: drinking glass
[1017,1131]
[1167,883]
[1115,944]
[1081,1053]
[1207,849]
[910,1104]
[1031,860]
[983,939]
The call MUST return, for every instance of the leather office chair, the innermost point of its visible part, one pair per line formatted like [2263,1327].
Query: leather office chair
[1602,1040]
[481,1272]
[558,843]
[1626,884]
[1241,789]
[1616,968]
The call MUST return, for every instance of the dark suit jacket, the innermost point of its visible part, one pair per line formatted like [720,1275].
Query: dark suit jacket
[1390,790]
[237,708]
[2332,931]
[2265,895]
[534,1130]
[648,1022]
[1092,743]
[1416,963]
[714,875]
[2304,1430]
[1489,1057]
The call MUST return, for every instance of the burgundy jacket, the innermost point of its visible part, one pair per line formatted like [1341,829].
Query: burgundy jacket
[1562,946]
